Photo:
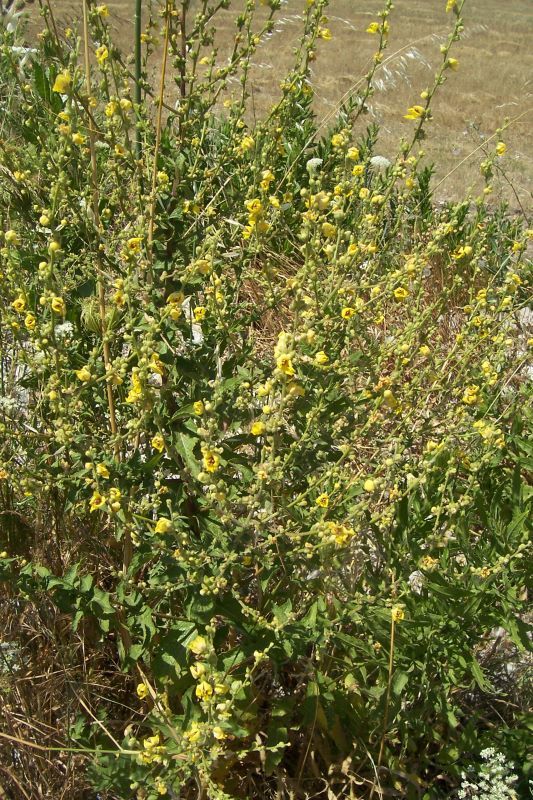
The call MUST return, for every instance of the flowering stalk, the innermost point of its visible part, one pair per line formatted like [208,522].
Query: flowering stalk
[151,221]
[96,213]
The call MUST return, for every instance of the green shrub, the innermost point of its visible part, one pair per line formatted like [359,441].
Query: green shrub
[264,423]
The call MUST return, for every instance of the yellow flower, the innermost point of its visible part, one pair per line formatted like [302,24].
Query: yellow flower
[114,499]
[83,374]
[452,63]
[329,230]
[389,399]
[142,691]
[211,461]
[352,154]
[347,312]
[102,53]
[96,502]
[414,112]
[397,613]
[450,4]
[102,470]
[198,408]
[358,170]
[163,525]
[295,389]
[400,293]
[11,237]
[471,395]
[322,358]
[369,485]
[78,138]
[19,304]
[198,645]
[373,27]
[30,322]
[285,365]
[136,390]
[199,313]
[325,34]
[58,305]
[193,733]
[322,500]
[62,82]
[258,428]
[338,140]
[246,144]
[158,443]
[156,364]
[134,244]
[218,733]
[102,10]
[203,690]
[501,147]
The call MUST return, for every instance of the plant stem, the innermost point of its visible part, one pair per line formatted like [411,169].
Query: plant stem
[387,702]
[151,222]
[138,71]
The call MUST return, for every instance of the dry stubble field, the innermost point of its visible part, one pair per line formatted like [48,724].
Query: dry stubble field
[494,79]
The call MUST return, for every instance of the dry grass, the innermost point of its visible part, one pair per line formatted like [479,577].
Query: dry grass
[494,80]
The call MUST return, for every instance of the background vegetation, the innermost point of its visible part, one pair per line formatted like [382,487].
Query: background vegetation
[265,468]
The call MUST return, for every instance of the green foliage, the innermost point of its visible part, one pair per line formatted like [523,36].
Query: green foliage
[264,420]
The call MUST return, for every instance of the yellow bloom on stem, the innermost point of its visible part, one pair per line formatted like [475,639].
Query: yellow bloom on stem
[58,305]
[347,312]
[211,461]
[133,244]
[258,428]
[102,54]
[158,443]
[471,395]
[163,525]
[200,313]
[198,645]
[369,485]
[329,230]
[199,408]
[203,690]
[414,112]
[285,365]
[373,27]
[96,502]
[102,10]
[30,322]
[501,147]
[325,34]
[397,613]
[102,470]
[353,154]
[400,293]
[156,364]
[62,82]
[83,374]
[19,304]
[142,691]
[322,358]
[322,500]
[452,63]
[11,237]
[78,138]
[218,733]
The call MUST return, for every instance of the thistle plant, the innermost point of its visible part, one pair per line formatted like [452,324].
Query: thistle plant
[254,380]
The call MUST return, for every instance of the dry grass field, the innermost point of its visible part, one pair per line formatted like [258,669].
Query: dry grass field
[494,80]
